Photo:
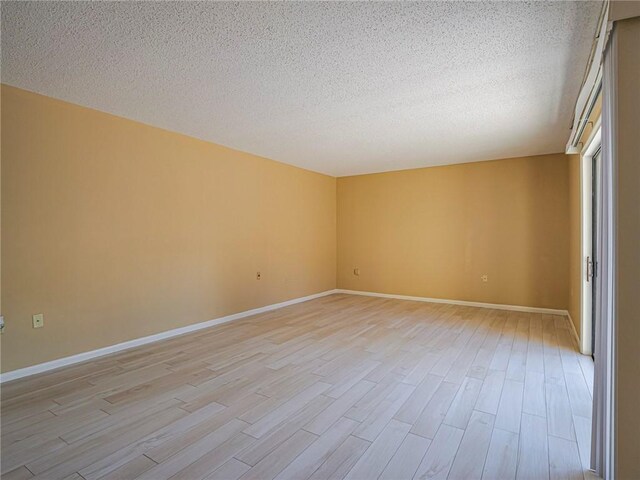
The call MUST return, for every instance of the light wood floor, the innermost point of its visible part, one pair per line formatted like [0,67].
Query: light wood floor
[338,387]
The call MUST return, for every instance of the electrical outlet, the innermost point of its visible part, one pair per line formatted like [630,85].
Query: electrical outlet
[484,278]
[38,320]
[258,275]
[356,272]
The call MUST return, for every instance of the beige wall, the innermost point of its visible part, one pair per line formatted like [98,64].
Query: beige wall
[628,251]
[621,9]
[116,230]
[433,232]
[121,230]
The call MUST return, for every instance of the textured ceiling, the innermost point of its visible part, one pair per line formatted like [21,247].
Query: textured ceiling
[339,88]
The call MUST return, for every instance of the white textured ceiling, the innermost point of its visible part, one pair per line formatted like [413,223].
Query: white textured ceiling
[339,88]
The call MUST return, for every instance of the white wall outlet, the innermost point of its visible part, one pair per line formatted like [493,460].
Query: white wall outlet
[38,320]
[1,324]
[258,275]
[485,278]
[356,272]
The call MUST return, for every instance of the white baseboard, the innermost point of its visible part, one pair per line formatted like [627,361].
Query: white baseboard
[496,306]
[83,357]
[576,337]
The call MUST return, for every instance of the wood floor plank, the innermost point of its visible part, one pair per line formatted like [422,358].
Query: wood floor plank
[25,422]
[215,458]
[587,367]
[437,462]
[583,436]
[271,465]
[371,426]
[98,425]
[535,352]
[462,406]
[14,458]
[352,378]
[419,372]
[447,358]
[564,460]
[363,407]
[231,470]
[75,457]
[319,451]
[516,370]
[56,426]
[502,457]
[533,452]
[170,445]
[372,463]
[417,401]
[342,460]
[472,453]
[510,408]
[481,364]
[491,391]
[579,396]
[338,408]
[20,473]
[270,441]
[500,360]
[407,458]
[194,451]
[434,413]
[534,399]
[553,373]
[284,411]
[131,469]
[559,417]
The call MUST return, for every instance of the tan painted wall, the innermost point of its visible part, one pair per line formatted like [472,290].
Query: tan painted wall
[124,230]
[628,251]
[116,230]
[433,232]
[621,9]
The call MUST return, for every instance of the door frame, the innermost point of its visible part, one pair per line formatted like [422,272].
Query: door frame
[592,145]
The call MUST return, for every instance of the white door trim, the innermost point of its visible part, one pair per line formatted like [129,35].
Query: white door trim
[591,147]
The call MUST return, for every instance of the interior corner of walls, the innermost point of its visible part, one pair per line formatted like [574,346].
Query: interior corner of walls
[401,249]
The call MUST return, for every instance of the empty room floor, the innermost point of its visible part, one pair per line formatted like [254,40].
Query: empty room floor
[338,387]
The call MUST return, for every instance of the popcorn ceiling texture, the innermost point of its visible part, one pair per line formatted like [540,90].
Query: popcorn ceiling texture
[339,88]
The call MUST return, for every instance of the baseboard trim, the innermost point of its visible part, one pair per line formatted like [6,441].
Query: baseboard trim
[576,337]
[83,357]
[495,306]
